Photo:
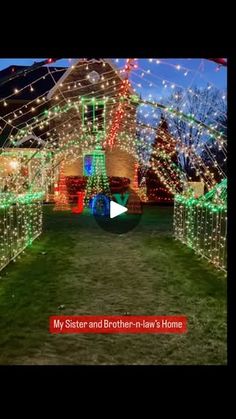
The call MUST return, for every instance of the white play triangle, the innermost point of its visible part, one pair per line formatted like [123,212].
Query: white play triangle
[116,209]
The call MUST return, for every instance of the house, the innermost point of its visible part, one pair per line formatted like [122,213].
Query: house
[84,82]
[23,92]
[91,87]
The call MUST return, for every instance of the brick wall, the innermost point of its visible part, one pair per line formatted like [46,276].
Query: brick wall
[118,163]
[74,169]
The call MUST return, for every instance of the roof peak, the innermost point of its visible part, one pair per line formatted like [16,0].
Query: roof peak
[17,66]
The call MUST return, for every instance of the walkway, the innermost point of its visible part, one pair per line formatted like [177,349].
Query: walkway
[76,265]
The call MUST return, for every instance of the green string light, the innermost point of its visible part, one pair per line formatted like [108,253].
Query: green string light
[201,223]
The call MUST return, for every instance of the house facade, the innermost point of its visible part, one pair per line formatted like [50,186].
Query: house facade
[92,88]
[95,86]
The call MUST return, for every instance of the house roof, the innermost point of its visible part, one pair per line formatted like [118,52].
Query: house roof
[28,79]
[42,86]
[75,63]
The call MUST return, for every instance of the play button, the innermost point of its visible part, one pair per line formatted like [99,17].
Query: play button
[114,217]
[116,209]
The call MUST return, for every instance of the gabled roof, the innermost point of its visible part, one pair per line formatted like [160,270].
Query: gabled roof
[40,87]
[30,139]
[75,63]
[43,85]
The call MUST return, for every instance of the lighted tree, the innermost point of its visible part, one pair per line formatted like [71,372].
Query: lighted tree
[135,182]
[62,199]
[163,178]
[98,181]
[142,192]
[206,105]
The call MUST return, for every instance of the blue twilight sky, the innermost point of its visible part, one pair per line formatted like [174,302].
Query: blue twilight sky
[157,77]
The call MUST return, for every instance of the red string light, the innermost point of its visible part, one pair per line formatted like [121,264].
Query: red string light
[123,94]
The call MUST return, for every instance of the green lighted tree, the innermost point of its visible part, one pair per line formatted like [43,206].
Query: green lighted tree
[98,180]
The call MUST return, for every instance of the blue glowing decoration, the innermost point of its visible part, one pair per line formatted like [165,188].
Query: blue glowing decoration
[88,165]
[100,205]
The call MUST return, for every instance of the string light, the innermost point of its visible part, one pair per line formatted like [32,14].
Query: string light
[202,223]
[124,132]
[98,180]
[21,221]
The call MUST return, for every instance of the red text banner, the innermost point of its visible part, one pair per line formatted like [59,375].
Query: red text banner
[118,324]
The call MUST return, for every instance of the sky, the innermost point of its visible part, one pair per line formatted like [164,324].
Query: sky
[157,77]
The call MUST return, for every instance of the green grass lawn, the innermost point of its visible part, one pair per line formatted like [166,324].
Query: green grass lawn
[89,271]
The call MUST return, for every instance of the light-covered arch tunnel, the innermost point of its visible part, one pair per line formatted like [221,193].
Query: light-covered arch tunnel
[140,133]
[92,104]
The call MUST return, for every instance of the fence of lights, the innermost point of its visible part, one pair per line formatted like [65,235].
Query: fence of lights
[20,223]
[132,123]
[201,224]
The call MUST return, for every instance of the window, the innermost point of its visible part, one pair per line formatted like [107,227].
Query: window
[88,165]
[88,115]
[93,113]
[99,117]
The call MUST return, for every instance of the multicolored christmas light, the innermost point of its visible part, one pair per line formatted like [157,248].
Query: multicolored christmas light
[20,223]
[68,146]
[62,198]
[123,95]
[98,181]
[201,224]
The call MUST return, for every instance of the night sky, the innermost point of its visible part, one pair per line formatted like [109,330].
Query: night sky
[162,77]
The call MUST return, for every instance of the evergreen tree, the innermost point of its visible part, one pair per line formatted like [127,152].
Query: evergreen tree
[164,161]
[98,182]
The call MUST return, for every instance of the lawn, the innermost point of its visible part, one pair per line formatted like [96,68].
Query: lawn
[144,272]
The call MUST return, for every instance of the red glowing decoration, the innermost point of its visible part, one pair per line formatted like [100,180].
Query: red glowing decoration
[135,182]
[61,199]
[123,94]
[80,205]
[221,61]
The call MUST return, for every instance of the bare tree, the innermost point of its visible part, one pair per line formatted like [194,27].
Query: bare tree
[202,104]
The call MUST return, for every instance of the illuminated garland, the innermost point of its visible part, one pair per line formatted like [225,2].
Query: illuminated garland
[123,94]
[201,224]
[190,118]
[9,198]
[61,195]
[98,181]
[20,223]
[56,110]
